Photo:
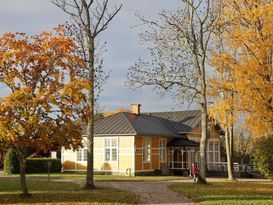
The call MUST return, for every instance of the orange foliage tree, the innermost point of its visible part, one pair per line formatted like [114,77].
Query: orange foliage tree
[224,109]
[45,98]
[249,33]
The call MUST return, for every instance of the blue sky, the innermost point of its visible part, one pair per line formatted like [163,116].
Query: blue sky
[123,45]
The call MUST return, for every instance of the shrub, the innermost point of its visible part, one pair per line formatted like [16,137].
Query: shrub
[263,156]
[39,165]
[11,162]
[33,165]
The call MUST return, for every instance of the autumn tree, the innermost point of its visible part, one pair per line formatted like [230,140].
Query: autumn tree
[243,146]
[249,34]
[263,155]
[224,107]
[3,150]
[90,19]
[180,42]
[45,96]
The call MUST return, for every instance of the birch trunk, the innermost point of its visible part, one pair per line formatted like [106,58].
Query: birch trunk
[90,146]
[204,133]
[229,154]
[91,98]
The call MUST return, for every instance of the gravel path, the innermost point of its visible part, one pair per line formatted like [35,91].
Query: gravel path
[150,192]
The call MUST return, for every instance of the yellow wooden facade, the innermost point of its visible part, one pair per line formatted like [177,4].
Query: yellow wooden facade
[124,162]
[130,154]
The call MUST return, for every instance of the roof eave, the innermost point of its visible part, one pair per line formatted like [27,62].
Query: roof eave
[159,135]
[126,134]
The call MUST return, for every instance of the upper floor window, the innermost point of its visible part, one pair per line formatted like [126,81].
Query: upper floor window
[110,149]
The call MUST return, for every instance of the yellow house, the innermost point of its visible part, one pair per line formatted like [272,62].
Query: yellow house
[144,143]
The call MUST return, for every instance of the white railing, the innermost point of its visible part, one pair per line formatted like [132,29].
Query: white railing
[179,165]
[222,166]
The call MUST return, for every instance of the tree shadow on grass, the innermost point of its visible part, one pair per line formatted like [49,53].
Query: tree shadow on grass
[99,195]
[237,199]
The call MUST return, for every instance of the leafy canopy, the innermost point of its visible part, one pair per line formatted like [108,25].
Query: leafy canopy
[46,97]
[247,61]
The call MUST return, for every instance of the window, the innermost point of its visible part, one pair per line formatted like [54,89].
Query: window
[85,155]
[114,154]
[211,146]
[163,150]
[146,149]
[110,149]
[216,152]
[82,155]
[79,155]
[107,154]
[213,152]
[210,156]
[210,152]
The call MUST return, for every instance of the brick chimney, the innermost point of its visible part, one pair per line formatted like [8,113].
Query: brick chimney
[135,108]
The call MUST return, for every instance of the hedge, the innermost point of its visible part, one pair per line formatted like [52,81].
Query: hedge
[39,165]
[33,165]
[11,162]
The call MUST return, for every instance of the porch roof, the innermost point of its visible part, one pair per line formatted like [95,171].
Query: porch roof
[179,142]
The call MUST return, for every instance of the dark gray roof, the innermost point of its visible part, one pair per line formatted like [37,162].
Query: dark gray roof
[132,124]
[182,121]
[182,143]
[146,125]
[113,125]
[170,124]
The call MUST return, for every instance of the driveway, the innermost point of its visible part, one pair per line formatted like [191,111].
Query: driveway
[150,192]
[158,192]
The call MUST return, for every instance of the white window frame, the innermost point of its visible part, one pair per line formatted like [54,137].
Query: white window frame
[111,148]
[210,152]
[214,152]
[163,150]
[146,149]
[217,152]
[81,152]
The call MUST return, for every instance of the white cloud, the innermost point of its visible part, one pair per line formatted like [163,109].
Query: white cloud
[34,16]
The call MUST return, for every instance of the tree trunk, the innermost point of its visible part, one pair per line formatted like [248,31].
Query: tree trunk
[23,176]
[91,99]
[203,145]
[231,139]
[229,155]
[90,134]
[90,156]
[204,116]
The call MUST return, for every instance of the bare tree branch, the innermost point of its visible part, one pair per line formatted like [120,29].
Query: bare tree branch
[90,18]
[179,57]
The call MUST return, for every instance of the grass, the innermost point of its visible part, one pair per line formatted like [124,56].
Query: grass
[106,177]
[60,193]
[228,193]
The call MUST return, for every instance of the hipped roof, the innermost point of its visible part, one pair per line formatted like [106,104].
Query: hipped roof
[171,124]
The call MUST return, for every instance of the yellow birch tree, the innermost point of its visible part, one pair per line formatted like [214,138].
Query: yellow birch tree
[249,32]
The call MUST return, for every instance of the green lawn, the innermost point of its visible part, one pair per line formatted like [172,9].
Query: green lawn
[107,177]
[60,193]
[228,193]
